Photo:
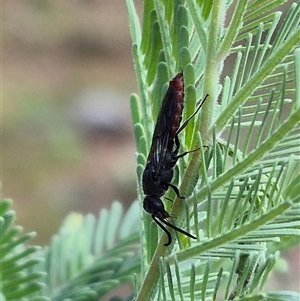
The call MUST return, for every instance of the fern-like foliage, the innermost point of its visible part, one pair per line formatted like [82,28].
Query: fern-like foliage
[88,258]
[242,187]
[16,259]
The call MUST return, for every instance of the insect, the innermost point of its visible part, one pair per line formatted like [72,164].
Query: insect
[163,155]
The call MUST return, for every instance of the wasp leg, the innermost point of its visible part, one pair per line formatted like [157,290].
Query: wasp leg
[165,229]
[168,199]
[185,153]
[176,190]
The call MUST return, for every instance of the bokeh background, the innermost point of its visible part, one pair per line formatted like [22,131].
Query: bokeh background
[67,138]
[67,134]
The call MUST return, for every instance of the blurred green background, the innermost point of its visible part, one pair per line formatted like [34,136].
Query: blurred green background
[67,135]
[67,141]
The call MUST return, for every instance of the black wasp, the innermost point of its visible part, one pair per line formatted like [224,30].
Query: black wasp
[163,155]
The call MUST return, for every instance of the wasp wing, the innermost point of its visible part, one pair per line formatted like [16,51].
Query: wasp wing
[168,122]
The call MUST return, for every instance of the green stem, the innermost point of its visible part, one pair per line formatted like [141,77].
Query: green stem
[150,281]
[231,235]
[256,80]
[233,29]
[254,156]
[212,69]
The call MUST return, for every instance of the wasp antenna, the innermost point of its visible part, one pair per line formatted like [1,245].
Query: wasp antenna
[178,229]
[165,229]
[188,120]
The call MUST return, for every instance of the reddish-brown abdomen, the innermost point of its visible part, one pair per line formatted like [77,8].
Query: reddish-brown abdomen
[177,84]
